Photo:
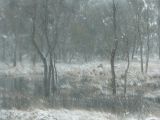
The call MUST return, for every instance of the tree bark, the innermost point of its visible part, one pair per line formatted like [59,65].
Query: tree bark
[114,49]
[159,28]
[141,43]
[15,53]
[54,74]
[4,50]
[148,41]
[134,47]
[50,73]
[128,64]
[43,58]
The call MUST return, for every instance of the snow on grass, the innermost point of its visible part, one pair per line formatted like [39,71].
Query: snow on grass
[64,114]
[152,118]
[98,72]
[54,115]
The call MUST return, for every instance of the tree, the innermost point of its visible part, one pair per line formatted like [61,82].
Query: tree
[4,48]
[158,27]
[148,40]
[113,51]
[128,63]
[50,74]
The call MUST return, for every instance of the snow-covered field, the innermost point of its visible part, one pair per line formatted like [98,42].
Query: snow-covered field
[98,76]
[92,69]
[54,115]
[64,114]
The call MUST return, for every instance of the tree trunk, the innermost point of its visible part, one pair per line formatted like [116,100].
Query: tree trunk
[43,58]
[46,80]
[15,53]
[134,47]
[113,72]
[49,68]
[54,74]
[128,64]
[141,43]
[4,50]
[113,51]
[141,54]
[159,28]
[20,56]
[148,42]
[159,44]
[34,58]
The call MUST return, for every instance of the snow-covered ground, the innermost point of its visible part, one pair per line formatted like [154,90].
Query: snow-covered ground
[95,74]
[93,69]
[64,114]
[98,76]
[54,115]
